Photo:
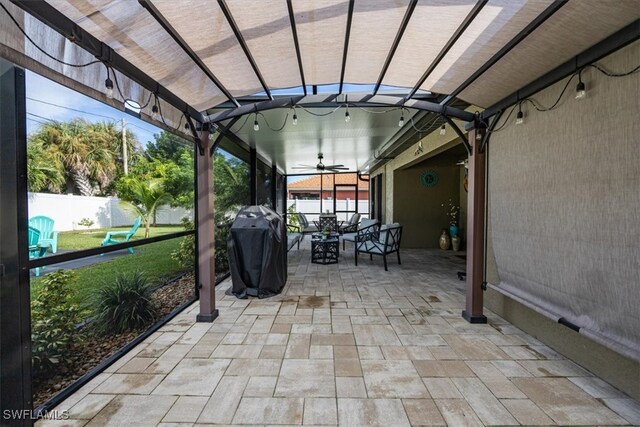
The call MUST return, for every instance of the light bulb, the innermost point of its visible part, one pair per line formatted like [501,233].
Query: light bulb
[347,117]
[256,126]
[401,122]
[581,90]
[478,136]
[154,112]
[186,126]
[295,119]
[443,129]
[109,88]
[519,118]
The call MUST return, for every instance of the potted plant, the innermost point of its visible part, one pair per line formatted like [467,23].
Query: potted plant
[452,212]
[326,232]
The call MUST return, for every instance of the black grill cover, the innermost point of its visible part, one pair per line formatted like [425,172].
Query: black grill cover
[257,253]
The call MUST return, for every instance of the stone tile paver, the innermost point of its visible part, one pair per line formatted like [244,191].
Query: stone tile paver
[346,345]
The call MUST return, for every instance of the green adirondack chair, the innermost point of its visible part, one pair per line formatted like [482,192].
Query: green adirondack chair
[48,237]
[109,238]
[35,250]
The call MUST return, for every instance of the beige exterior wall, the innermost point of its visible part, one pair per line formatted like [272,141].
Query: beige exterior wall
[432,144]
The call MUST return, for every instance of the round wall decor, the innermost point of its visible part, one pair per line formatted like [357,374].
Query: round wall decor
[429,178]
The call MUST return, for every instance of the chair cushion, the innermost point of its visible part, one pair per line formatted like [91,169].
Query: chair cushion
[349,237]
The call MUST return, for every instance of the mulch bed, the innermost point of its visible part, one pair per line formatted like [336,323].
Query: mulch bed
[92,350]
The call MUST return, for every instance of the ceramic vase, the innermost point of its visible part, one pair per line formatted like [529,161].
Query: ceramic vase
[445,241]
[455,242]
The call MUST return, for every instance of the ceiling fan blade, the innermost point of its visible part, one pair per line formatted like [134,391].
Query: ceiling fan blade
[337,169]
[333,166]
[303,167]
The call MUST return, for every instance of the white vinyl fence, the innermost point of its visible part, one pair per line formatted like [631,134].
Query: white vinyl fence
[105,212]
[311,208]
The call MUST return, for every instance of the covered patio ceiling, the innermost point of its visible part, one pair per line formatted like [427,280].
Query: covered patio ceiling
[221,60]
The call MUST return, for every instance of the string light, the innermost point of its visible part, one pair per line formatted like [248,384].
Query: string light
[401,121]
[519,116]
[154,112]
[478,135]
[108,84]
[256,126]
[295,117]
[443,129]
[581,90]
[347,117]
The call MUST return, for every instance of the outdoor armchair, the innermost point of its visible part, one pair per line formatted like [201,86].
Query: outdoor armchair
[48,237]
[109,239]
[324,222]
[351,237]
[35,250]
[293,236]
[305,227]
[383,242]
[350,226]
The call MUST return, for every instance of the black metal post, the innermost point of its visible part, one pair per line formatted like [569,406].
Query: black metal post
[253,177]
[15,311]
[274,187]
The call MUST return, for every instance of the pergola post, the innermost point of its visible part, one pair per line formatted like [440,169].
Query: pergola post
[475,231]
[205,230]
[253,177]
[274,187]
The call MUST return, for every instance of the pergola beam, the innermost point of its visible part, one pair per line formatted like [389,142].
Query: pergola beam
[185,47]
[396,43]
[452,41]
[243,45]
[70,30]
[539,20]
[331,101]
[347,36]
[296,43]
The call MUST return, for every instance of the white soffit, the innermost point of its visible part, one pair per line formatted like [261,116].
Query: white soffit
[267,32]
[575,27]
[134,34]
[373,29]
[430,27]
[204,27]
[498,23]
[321,27]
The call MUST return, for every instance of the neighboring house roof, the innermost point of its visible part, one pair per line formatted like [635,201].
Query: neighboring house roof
[313,182]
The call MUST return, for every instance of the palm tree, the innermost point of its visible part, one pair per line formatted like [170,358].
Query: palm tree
[145,198]
[88,151]
[44,171]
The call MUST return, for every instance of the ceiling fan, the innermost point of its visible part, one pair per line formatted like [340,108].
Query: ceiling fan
[321,167]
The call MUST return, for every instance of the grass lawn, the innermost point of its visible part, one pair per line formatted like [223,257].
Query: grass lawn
[86,239]
[153,260]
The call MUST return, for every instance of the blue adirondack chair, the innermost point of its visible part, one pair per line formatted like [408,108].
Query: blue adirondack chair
[48,237]
[109,238]
[35,250]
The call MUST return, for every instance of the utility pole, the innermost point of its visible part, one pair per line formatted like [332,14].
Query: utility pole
[125,157]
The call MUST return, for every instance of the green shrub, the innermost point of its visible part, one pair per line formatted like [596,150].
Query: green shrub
[53,321]
[186,252]
[124,304]
[292,218]
[86,222]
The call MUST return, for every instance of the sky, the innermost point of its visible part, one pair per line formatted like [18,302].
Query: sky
[48,100]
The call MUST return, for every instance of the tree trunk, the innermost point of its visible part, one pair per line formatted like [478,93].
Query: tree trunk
[82,183]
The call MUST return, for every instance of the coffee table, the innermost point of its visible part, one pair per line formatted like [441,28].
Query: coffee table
[325,250]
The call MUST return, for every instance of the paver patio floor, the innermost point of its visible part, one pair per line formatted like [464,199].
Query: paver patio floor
[354,346]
